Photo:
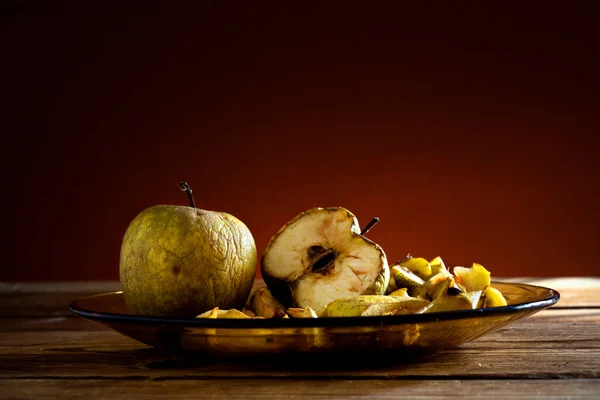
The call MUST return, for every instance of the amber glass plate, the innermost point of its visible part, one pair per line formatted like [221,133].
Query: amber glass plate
[250,337]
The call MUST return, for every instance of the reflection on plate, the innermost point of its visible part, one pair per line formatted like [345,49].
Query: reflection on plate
[248,337]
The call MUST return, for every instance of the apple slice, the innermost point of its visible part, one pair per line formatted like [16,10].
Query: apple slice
[262,303]
[446,302]
[418,266]
[474,278]
[400,292]
[437,265]
[306,312]
[321,256]
[369,305]
[494,298]
[216,313]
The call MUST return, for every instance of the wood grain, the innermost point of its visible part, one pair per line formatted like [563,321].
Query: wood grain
[71,322]
[299,389]
[52,287]
[37,304]
[58,323]
[47,298]
[574,291]
[53,298]
[551,344]
[46,352]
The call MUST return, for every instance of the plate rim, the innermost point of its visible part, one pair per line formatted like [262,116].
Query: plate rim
[326,322]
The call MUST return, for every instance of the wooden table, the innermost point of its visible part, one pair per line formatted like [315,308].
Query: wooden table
[45,352]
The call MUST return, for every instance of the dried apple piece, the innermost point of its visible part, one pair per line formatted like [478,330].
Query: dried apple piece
[474,278]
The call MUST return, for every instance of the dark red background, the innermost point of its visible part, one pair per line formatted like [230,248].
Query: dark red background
[468,128]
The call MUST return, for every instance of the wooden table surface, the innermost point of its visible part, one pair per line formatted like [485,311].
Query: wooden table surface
[46,352]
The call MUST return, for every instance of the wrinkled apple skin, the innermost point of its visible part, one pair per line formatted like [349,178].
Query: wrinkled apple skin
[181,261]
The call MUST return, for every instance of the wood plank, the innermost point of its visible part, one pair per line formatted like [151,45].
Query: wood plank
[89,287]
[450,364]
[574,291]
[38,304]
[53,298]
[560,344]
[73,323]
[58,323]
[298,389]
[47,298]
[560,324]
[125,362]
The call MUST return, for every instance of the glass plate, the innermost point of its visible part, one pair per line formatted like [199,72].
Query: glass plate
[252,337]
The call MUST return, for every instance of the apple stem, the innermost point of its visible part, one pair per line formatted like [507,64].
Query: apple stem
[184,187]
[371,224]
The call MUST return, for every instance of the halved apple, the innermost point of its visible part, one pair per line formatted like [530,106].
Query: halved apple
[320,256]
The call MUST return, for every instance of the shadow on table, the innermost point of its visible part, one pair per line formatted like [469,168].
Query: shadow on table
[308,362]
[132,358]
